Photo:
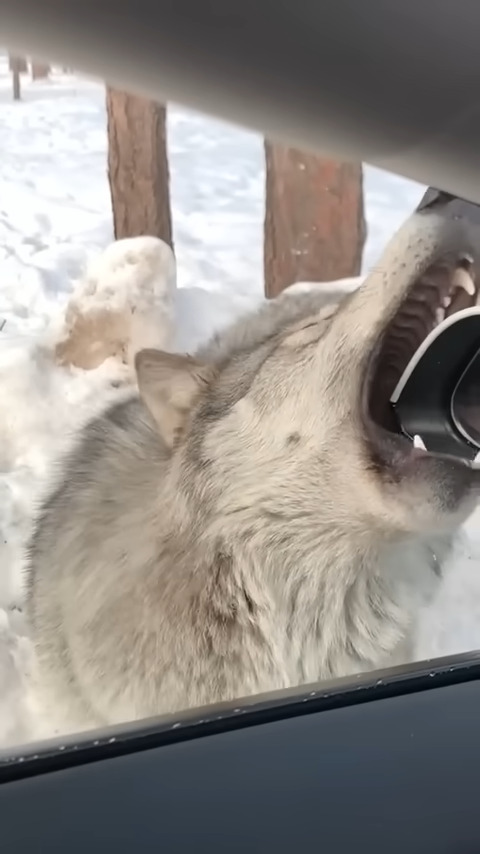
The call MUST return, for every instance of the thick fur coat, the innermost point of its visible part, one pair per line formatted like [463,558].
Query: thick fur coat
[225,532]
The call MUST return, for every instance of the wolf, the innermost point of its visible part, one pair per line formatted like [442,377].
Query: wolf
[248,519]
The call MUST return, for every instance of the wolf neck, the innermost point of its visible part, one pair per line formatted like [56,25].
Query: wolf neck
[332,607]
[347,609]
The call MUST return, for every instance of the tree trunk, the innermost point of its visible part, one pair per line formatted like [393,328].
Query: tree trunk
[138,167]
[40,70]
[314,218]
[15,64]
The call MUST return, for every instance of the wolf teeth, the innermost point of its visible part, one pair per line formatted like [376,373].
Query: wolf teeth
[418,442]
[462,279]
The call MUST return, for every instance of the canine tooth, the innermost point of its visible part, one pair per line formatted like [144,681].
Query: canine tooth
[462,279]
[418,442]
[446,302]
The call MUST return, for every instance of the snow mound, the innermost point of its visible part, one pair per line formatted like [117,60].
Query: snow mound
[126,299]
[340,286]
[125,302]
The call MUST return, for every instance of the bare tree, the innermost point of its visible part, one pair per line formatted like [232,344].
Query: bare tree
[314,218]
[40,70]
[17,66]
[138,166]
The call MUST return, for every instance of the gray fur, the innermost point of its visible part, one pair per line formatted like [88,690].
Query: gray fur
[257,547]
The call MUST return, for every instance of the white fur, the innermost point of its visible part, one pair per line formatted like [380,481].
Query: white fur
[228,533]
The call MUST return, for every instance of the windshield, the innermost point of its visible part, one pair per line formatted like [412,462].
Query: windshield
[239,412]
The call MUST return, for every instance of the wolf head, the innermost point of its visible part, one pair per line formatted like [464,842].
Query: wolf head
[283,423]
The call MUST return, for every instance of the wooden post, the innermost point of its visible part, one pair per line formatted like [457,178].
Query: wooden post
[314,218]
[40,70]
[15,64]
[138,166]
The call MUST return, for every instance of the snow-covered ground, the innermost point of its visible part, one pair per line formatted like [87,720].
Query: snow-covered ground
[55,219]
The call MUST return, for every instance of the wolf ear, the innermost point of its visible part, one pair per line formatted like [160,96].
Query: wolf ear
[168,384]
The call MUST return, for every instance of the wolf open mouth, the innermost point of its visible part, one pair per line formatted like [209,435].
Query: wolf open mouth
[448,286]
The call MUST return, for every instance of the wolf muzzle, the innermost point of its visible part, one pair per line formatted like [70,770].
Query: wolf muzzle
[437,399]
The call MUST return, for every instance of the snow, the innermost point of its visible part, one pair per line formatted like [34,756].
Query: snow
[57,265]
